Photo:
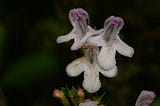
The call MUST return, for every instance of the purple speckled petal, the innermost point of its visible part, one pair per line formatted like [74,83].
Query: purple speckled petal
[112,26]
[79,19]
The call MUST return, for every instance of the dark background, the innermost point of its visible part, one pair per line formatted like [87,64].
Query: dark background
[32,65]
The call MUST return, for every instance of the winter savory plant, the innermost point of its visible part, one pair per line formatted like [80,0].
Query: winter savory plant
[99,47]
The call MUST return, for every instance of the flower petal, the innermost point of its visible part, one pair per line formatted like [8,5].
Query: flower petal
[97,39]
[112,26]
[94,32]
[76,14]
[76,67]
[124,49]
[91,51]
[91,81]
[66,38]
[110,73]
[79,19]
[79,42]
[88,104]
[145,98]
[106,57]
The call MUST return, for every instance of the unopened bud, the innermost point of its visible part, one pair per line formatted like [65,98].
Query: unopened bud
[80,92]
[58,94]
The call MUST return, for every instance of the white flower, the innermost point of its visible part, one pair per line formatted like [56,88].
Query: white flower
[88,104]
[145,98]
[81,30]
[88,65]
[110,42]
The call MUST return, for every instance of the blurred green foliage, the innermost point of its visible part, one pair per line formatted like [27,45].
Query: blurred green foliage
[29,70]
[32,65]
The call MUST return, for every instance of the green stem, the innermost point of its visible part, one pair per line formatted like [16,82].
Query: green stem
[65,102]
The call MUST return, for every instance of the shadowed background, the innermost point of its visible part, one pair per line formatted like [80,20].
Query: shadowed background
[32,65]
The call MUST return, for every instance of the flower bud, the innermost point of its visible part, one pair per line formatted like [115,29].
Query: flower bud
[80,92]
[58,94]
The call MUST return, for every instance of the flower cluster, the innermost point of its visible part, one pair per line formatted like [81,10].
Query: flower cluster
[77,97]
[99,48]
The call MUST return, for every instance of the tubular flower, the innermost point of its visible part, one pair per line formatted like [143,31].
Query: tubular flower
[145,98]
[88,65]
[110,42]
[81,30]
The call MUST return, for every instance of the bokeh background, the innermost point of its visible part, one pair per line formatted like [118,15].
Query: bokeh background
[32,65]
